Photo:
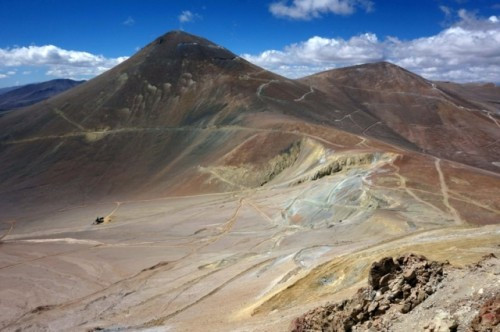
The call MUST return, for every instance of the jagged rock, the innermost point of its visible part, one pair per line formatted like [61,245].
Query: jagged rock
[442,322]
[384,281]
[406,307]
[372,307]
[488,318]
[409,275]
[383,307]
[379,269]
[394,285]
[421,296]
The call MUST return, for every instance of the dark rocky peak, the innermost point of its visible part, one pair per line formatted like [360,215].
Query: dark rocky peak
[180,37]
[182,45]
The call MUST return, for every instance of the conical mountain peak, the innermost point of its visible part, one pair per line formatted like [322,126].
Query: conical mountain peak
[179,37]
[179,44]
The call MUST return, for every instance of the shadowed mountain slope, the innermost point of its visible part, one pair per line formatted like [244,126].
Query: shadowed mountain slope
[30,94]
[7,89]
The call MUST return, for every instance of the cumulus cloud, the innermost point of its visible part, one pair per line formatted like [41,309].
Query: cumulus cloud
[308,9]
[188,16]
[466,51]
[129,21]
[60,62]
[3,76]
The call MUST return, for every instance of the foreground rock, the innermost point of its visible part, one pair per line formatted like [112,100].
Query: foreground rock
[398,287]
[488,318]
[394,284]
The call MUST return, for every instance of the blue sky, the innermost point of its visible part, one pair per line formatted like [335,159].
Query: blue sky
[42,40]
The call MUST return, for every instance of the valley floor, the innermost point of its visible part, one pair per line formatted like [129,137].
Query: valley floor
[246,260]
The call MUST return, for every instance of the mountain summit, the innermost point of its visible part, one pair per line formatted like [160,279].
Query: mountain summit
[179,44]
[177,53]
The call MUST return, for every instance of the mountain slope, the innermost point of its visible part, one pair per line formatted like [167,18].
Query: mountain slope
[439,121]
[7,89]
[29,94]
[179,103]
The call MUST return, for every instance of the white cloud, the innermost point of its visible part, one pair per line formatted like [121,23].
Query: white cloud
[446,10]
[466,51]
[11,72]
[188,16]
[129,21]
[60,62]
[448,15]
[3,76]
[308,9]
[318,53]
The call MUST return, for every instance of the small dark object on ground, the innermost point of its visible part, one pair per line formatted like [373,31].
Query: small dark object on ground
[98,220]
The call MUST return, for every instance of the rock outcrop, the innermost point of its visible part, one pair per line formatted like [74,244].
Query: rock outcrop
[395,285]
[488,318]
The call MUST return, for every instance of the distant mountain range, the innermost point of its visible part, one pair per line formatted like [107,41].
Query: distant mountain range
[9,88]
[17,97]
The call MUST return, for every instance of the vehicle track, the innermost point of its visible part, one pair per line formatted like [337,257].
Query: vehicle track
[446,197]
[302,98]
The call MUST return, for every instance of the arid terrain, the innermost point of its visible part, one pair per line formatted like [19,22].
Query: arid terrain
[21,96]
[234,199]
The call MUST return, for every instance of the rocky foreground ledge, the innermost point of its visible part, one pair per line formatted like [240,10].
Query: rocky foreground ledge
[411,293]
